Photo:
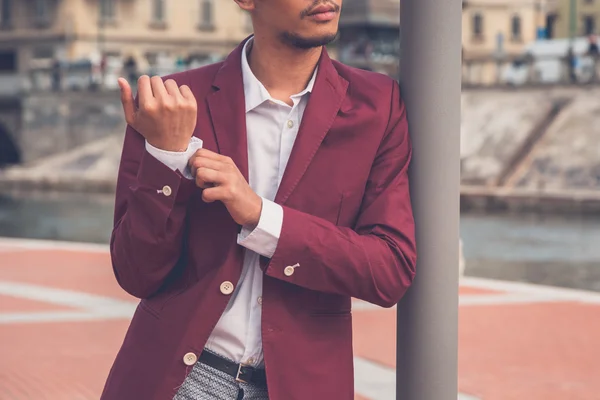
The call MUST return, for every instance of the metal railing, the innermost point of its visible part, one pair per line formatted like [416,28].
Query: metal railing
[82,75]
[506,72]
[484,72]
[531,71]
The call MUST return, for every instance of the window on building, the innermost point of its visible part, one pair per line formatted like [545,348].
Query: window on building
[158,11]
[152,58]
[8,61]
[550,25]
[41,11]
[42,53]
[108,10]
[589,25]
[477,25]
[5,12]
[206,13]
[515,27]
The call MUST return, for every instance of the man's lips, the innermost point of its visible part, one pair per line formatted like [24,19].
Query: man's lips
[323,13]
[322,10]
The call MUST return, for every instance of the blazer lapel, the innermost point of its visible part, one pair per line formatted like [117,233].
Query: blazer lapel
[323,105]
[228,112]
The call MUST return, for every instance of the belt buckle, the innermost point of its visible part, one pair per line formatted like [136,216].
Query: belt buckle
[239,371]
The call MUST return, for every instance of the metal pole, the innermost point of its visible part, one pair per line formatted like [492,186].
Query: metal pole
[572,20]
[427,341]
[102,9]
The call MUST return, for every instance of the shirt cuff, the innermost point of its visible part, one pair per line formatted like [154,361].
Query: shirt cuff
[264,238]
[176,160]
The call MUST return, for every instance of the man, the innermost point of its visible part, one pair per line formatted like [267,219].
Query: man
[571,60]
[255,198]
[130,68]
[594,53]
[593,45]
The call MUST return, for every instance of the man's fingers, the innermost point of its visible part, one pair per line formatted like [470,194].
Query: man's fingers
[212,155]
[220,193]
[144,90]
[127,100]
[187,94]
[158,87]
[204,162]
[172,88]
[206,177]
[212,194]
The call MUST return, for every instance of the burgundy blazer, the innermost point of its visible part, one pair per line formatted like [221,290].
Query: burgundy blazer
[347,221]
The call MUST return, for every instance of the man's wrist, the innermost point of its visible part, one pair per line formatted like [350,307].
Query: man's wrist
[263,238]
[254,219]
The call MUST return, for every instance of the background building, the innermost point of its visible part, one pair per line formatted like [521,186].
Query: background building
[581,16]
[495,31]
[369,35]
[494,27]
[34,32]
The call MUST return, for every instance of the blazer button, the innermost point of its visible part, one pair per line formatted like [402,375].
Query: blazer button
[166,190]
[226,287]
[288,271]
[190,359]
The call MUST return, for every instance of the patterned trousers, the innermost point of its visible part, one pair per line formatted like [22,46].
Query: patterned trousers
[207,383]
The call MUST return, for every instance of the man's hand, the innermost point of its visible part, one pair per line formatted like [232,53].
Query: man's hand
[166,115]
[222,180]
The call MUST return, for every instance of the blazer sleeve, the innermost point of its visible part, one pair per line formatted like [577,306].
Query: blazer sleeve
[376,260]
[149,221]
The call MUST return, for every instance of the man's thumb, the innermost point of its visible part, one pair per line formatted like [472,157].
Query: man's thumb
[127,101]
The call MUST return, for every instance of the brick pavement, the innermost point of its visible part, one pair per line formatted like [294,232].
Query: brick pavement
[63,317]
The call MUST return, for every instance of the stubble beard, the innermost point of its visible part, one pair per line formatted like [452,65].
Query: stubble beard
[303,43]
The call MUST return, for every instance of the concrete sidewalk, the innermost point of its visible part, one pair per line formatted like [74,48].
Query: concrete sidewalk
[63,317]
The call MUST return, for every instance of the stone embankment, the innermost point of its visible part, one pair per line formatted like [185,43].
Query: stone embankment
[535,149]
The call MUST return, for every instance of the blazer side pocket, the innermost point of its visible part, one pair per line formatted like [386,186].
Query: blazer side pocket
[155,304]
[329,304]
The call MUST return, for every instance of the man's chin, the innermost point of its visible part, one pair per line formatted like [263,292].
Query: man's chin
[305,43]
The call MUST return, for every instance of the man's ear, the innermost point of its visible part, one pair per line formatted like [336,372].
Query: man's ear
[247,5]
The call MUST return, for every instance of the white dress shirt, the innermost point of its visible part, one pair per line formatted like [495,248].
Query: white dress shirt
[272,127]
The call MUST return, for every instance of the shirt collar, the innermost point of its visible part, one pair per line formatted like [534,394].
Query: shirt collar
[255,92]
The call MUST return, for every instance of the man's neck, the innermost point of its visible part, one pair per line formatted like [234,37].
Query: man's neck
[282,69]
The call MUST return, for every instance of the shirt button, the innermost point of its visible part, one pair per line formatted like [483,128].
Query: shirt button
[190,359]
[166,190]
[259,300]
[226,287]
[288,271]
[290,123]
